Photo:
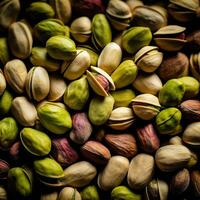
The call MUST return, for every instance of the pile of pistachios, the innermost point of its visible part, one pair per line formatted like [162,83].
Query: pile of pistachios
[99,100]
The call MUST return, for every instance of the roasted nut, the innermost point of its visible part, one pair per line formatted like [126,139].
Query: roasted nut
[195,182]
[4,168]
[67,193]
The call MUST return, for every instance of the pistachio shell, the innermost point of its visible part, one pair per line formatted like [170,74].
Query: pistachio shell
[194,65]
[2,83]
[171,29]
[49,196]
[4,54]
[191,5]
[90,192]
[69,193]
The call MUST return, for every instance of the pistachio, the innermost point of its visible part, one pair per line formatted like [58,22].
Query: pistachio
[4,54]
[90,192]
[175,140]
[2,83]
[5,102]
[15,151]
[195,183]
[49,196]
[4,168]
[69,193]
[194,65]
[134,3]
[113,173]
[3,193]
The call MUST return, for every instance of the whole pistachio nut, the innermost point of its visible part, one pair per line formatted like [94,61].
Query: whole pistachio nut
[24,111]
[4,168]
[69,193]
[195,182]
[49,196]
[113,173]
[171,93]
[20,40]
[54,118]
[168,121]
[124,193]
[79,174]
[75,68]
[77,93]
[90,193]
[2,83]
[146,106]
[40,57]
[101,31]
[170,38]
[119,14]
[140,171]
[3,193]
[122,144]
[48,28]
[9,12]
[35,142]
[100,109]
[172,157]
[5,102]
[148,83]
[135,38]
[148,58]
[4,54]
[125,74]
[110,57]
[15,72]
[8,132]
[81,29]
[194,65]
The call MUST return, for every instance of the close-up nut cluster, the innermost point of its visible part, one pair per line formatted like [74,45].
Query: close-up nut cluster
[99,100]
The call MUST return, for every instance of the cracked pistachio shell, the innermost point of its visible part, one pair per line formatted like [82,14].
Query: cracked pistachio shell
[90,192]
[124,193]
[77,94]
[101,31]
[74,69]
[15,73]
[100,109]
[24,111]
[113,173]
[172,93]
[148,83]
[135,38]
[172,157]
[20,181]
[35,142]
[168,121]
[3,193]
[5,102]
[20,40]
[54,117]
[69,193]
[110,57]
[37,83]
[8,132]
[4,54]
[125,74]
[40,57]
[61,47]
[79,174]
[9,12]
[2,83]
[194,65]
[49,196]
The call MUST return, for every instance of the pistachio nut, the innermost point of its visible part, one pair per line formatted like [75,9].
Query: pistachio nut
[20,40]
[119,14]
[69,193]
[61,47]
[134,3]
[148,58]
[176,140]
[5,102]
[170,38]
[54,118]
[90,192]
[100,81]
[3,193]
[140,171]
[110,57]
[15,73]
[79,174]
[4,54]
[121,118]
[125,74]
[123,97]
[63,10]
[77,93]
[48,28]
[195,183]
[194,65]
[9,12]
[101,31]
[135,38]
[2,83]
[40,57]
[81,29]
[35,142]
[191,135]
[8,132]
[124,193]
[171,93]
[148,83]
[146,106]
[172,157]
[113,173]
[49,196]
[15,151]
[191,86]
[168,121]
[100,109]
[75,68]
[4,168]
[19,108]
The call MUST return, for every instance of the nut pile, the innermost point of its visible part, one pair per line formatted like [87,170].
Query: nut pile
[99,100]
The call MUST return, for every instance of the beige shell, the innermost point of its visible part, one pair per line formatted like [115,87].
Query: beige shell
[195,65]
[191,5]
[2,83]
[49,196]
[69,193]
[170,29]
